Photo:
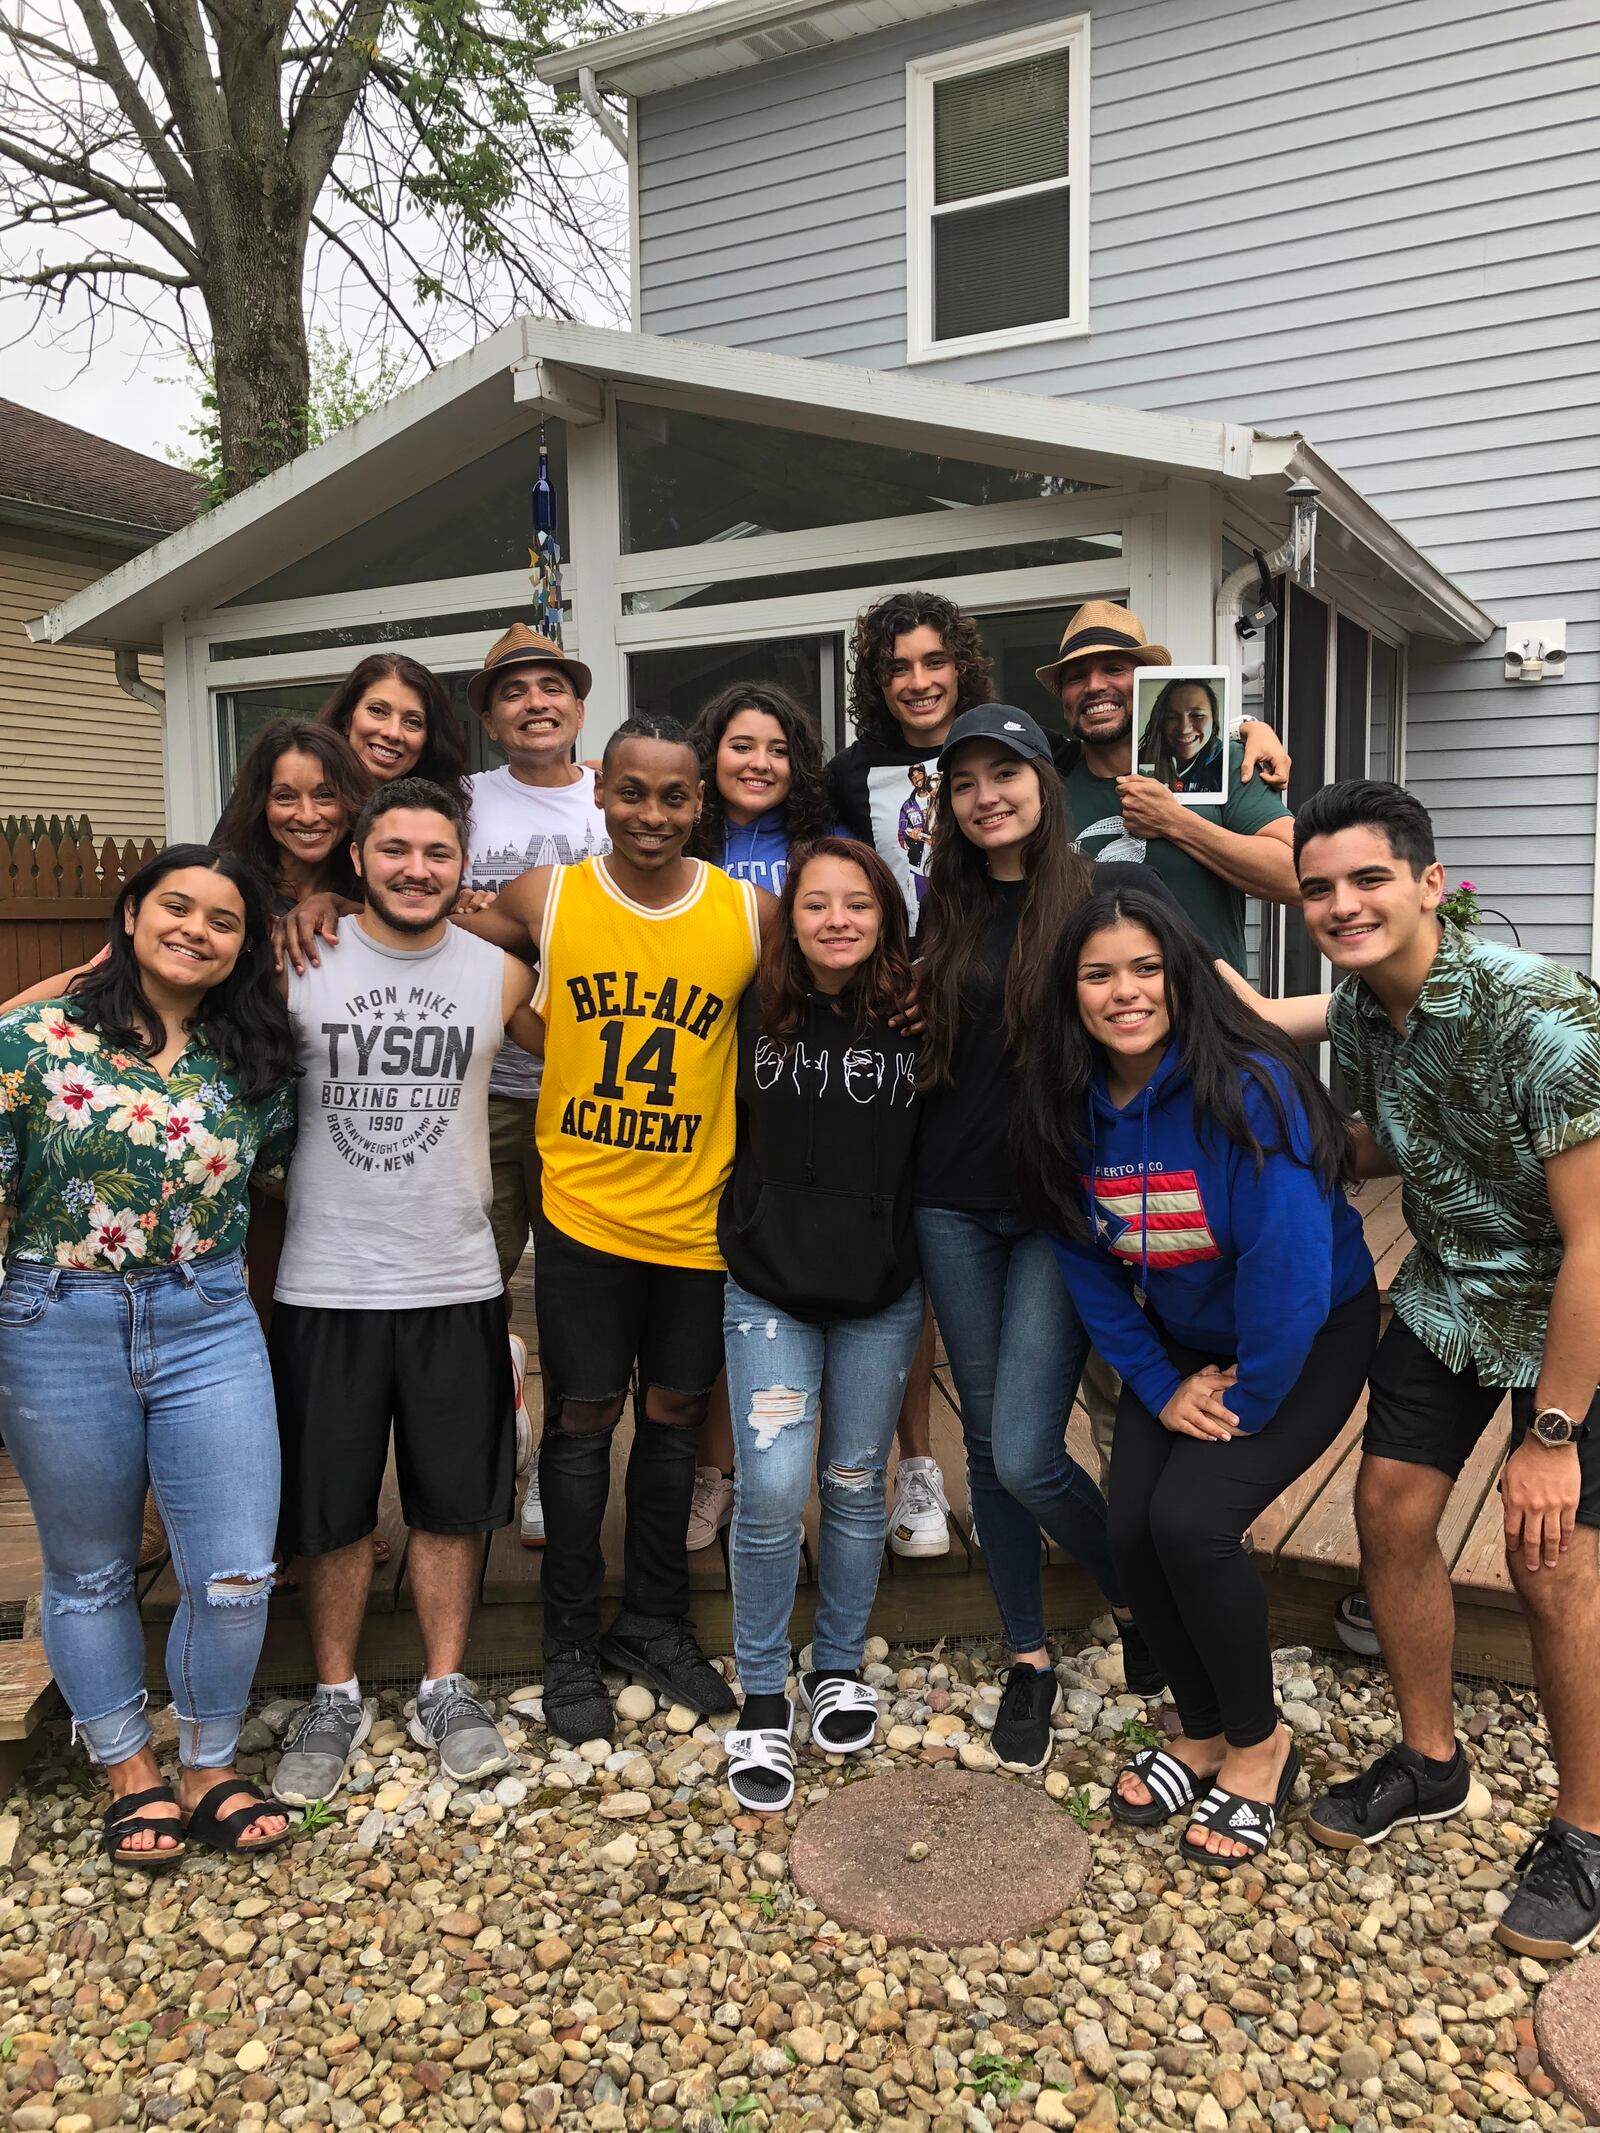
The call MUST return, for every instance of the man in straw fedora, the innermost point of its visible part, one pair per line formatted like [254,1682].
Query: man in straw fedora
[1212,858]
[536,809]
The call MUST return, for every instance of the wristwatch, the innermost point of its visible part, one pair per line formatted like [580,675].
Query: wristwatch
[1555,1428]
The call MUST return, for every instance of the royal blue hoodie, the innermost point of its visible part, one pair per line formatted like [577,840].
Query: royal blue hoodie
[1233,1263]
[757,851]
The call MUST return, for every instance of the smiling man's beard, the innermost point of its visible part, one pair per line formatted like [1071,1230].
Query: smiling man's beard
[1106,740]
[400,917]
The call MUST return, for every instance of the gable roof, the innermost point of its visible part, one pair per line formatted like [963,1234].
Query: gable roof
[61,473]
[725,37]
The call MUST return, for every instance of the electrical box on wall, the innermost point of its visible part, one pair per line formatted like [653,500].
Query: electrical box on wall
[1536,651]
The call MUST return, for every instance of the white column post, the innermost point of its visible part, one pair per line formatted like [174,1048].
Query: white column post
[594,514]
[1194,533]
[189,754]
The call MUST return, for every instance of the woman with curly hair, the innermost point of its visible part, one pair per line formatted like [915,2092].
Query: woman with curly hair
[766,784]
[294,803]
[397,718]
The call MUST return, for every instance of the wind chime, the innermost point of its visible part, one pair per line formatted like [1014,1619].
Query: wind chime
[544,557]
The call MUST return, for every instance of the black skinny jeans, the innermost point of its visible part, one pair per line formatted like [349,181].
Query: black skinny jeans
[1180,1507]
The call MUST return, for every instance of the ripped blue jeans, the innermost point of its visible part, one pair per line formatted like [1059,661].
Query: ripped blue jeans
[780,1369]
[110,1381]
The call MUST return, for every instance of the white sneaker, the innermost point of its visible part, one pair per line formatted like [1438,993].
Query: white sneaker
[526,1445]
[711,1508]
[531,1528]
[919,1514]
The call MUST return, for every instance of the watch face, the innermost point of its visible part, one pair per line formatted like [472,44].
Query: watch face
[1552,1427]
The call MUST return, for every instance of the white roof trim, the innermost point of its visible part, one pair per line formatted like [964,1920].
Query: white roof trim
[493,393]
[726,37]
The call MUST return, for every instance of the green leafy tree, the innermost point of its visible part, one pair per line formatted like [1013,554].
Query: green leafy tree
[216,167]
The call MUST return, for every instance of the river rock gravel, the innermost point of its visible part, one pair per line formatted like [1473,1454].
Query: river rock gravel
[603,1941]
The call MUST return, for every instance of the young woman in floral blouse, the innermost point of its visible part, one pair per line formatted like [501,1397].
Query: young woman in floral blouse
[133,1113]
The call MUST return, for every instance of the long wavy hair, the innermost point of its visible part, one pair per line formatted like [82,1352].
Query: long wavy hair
[872,655]
[963,897]
[806,812]
[1221,1043]
[880,988]
[243,827]
[1156,749]
[443,760]
[243,1019]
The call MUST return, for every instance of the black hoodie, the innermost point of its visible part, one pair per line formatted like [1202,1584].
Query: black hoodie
[816,1217]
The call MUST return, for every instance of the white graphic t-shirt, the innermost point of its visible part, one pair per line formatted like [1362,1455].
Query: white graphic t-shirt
[514,827]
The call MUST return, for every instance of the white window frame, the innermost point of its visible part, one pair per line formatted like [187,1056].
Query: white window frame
[921,77]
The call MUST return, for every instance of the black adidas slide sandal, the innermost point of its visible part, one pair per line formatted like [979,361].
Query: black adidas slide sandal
[1172,1785]
[1252,1823]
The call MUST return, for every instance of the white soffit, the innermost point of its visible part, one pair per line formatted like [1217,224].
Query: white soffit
[726,37]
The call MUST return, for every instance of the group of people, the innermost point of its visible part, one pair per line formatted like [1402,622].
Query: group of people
[776,1075]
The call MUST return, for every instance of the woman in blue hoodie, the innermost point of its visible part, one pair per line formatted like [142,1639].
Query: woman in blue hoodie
[1192,1168]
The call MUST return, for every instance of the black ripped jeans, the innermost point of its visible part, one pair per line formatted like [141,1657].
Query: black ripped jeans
[600,1318]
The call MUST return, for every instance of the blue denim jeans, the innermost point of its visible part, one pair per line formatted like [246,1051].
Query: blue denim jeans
[1016,1352]
[779,1370]
[110,1381]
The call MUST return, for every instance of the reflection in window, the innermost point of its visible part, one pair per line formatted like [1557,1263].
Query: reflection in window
[681,680]
[911,570]
[477,519]
[688,479]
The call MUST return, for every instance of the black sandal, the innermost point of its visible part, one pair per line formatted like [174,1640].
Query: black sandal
[1172,1785]
[1252,1823]
[126,1814]
[221,1833]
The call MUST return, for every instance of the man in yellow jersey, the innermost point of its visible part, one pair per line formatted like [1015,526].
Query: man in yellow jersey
[643,957]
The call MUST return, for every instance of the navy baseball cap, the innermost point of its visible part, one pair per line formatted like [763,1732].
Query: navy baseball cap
[1002,723]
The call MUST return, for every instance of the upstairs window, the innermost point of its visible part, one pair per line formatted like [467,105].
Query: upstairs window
[998,159]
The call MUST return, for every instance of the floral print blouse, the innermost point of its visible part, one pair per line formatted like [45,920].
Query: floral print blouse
[108,1165]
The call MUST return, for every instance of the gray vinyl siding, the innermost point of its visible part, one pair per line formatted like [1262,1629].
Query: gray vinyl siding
[1378,225]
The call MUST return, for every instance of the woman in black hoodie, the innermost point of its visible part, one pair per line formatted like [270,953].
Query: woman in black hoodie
[824,1304]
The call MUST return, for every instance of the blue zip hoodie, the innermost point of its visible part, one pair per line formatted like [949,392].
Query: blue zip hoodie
[757,851]
[1233,1264]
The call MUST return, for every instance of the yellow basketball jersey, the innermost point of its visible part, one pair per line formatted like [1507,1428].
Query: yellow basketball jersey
[635,1124]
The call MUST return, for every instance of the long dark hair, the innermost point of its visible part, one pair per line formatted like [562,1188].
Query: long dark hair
[443,760]
[963,897]
[872,654]
[806,812]
[243,1020]
[1156,749]
[243,828]
[1221,1042]
[882,986]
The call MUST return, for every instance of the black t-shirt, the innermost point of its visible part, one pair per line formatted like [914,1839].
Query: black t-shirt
[964,1145]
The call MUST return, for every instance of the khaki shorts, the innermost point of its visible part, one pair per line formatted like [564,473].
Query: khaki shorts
[514,1169]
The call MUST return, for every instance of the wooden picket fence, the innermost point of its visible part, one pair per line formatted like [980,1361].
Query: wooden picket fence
[55,899]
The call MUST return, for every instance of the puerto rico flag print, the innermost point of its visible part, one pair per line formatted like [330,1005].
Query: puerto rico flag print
[1166,1206]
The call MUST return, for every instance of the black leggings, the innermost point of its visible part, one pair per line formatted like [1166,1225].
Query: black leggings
[1180,1507]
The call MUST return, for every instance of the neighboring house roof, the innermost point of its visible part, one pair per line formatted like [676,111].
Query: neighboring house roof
[497,391]
[725,37]
[53,472]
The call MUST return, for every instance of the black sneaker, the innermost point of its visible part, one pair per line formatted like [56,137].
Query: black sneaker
[1021,1736]
[576,1705]
[1140,1670]
[664,1653]
[1556,1910]
[1390,1792]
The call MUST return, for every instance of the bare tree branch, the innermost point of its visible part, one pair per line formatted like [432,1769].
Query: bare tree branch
[69,270]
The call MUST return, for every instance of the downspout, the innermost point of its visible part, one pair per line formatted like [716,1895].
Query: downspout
[125,665]
[608,122]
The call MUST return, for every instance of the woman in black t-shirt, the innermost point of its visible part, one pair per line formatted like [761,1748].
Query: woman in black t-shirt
[1004,878]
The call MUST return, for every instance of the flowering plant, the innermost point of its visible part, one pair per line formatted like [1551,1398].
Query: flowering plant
[1460,906]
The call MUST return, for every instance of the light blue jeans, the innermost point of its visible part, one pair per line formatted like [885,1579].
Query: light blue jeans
[779,1370]
[110,1381]
[1016,1352]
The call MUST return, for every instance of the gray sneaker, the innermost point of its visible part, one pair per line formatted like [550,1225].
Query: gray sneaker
[318,1746]
[461,1726]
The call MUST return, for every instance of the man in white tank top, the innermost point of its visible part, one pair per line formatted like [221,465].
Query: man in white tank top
[388,1300]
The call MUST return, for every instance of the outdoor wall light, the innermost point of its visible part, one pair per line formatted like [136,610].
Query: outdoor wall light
[1536,651]
[1303,494]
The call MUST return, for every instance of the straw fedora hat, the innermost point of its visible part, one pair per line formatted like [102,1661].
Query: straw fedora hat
[523,647]
[1102,626]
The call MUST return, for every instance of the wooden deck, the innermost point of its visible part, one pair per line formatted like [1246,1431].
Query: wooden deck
[1305,1546]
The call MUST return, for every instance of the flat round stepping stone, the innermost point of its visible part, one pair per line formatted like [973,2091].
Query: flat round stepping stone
[1566,2024]
[944,1856]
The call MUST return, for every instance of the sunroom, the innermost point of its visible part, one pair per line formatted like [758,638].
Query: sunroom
[724,514]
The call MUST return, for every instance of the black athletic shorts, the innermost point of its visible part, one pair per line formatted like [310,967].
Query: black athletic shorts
[599,1315]
[441,1373]
[1424,1413]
